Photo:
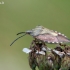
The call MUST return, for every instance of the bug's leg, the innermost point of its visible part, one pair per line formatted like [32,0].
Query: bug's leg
[36,44]
[62,45]
[45,46]
[33,42]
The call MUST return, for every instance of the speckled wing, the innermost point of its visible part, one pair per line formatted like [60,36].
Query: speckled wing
[53,39]
[62,38]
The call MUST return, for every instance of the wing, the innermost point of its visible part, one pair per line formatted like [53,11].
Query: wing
[62,38]
[52,39]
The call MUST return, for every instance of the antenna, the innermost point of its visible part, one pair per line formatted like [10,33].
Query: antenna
[17,38]
[20,33]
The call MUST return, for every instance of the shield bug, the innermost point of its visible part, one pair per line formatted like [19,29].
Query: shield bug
[46,35]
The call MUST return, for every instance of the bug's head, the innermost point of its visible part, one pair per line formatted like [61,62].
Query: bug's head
[36,29]
[26,32]
[34,32]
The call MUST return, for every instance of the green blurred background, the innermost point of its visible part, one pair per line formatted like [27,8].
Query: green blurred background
[22,15]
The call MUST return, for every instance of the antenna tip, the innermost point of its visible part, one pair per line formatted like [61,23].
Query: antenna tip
[20,33]
[10,44]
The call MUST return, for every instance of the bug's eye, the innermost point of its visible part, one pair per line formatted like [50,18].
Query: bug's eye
[29,31]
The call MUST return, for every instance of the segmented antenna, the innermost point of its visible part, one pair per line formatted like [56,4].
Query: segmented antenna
[17,39]
[20,33]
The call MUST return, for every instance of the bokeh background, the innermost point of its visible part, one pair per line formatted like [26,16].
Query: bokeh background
[22,15]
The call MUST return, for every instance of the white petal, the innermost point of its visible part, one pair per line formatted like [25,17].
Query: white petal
[44,49]
[26,50]
[68,53]
[59,53]
[37,52]
[40,52]
[48,57]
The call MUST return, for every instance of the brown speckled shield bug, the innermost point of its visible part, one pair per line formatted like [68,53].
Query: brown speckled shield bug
[46,35]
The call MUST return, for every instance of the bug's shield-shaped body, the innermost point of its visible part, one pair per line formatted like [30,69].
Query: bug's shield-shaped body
[49,36]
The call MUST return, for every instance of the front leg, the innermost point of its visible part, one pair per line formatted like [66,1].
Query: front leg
[62,44]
